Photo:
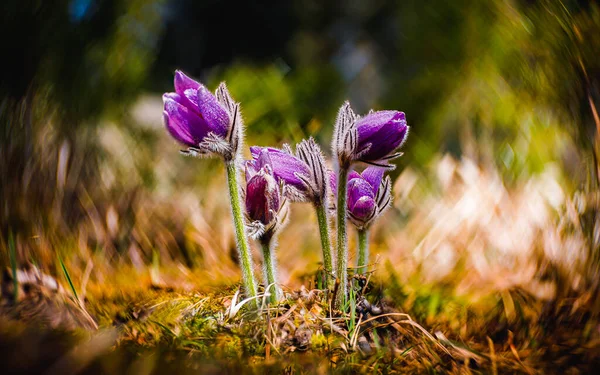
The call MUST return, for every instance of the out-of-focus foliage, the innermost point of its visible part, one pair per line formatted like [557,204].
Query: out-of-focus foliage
[84,55]
[509,85]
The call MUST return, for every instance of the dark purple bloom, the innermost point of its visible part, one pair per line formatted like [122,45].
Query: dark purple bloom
[262,196]
[286,167]
[380,134]
[362,193]
[192,112]
[367,196]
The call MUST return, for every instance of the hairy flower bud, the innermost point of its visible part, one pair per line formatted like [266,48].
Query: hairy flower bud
[345,137]
[372,139]
[380,134]
[287,169]
[266,209]
[262,197]
[369,195]
[303,174]
[310,153]
[206,123]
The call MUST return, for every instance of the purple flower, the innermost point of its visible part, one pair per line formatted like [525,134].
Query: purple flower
[369,194]
[287,168]
[192,112]
[380,134]
[262,197]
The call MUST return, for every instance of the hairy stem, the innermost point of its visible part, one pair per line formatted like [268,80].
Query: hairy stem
[325,241]
[240,233]
[342,238]
[269,268]
[363,250]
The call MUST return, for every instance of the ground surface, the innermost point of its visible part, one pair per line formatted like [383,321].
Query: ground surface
[146,328]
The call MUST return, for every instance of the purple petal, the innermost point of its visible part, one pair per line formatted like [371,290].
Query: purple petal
[256,202]
[213,112]
[358,188]
[183,82]
[284,165]
[262,197]
[173,96]
[200,100]
[364,208]
[373,175]
[261,159]
[264,159]
[333,181]
[180,134]
[183,124]
[375,121]
[190,100]
[250,169]
[352,175]
[384,131]
[255,151]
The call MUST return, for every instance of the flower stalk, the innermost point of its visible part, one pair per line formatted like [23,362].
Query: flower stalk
[240,233]
[342,238]
[325,242]
[270,268]
[211,125]
[363,251]
[303,175]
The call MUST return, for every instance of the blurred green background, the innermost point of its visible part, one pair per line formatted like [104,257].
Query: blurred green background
[87,168]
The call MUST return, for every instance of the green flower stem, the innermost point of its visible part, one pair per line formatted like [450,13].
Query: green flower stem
[342,238]
[240,233]
[325,241]
[269,268]
[363,250]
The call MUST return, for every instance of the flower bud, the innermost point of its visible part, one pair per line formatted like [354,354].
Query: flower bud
[344,143]
[310,153]
[380,134]
[262,197]
[200,120]
[369,195]
[287,169]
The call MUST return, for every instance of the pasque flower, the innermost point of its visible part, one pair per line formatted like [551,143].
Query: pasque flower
[304,179]
[288,169]
[369,195]
[266,211]
[212,125]
[264,201]
[373,138]
[380,134]
[205,122]
[262,197]
[191,112]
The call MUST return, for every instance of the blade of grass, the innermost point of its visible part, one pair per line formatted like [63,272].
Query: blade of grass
[13,263]
[69,280]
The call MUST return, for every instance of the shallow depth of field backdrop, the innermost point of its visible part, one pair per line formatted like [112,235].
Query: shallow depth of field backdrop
[492,243]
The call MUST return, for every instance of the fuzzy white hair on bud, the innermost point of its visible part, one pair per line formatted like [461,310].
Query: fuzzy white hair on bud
[287,149]
[294,194]
[213,144]
[345,135]
[310,153]
[255,229]
[384,196]
[235,135]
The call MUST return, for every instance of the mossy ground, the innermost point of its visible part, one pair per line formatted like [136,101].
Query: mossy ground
[145,328]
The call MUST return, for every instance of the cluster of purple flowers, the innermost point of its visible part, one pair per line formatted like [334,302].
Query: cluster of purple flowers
[211,125]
